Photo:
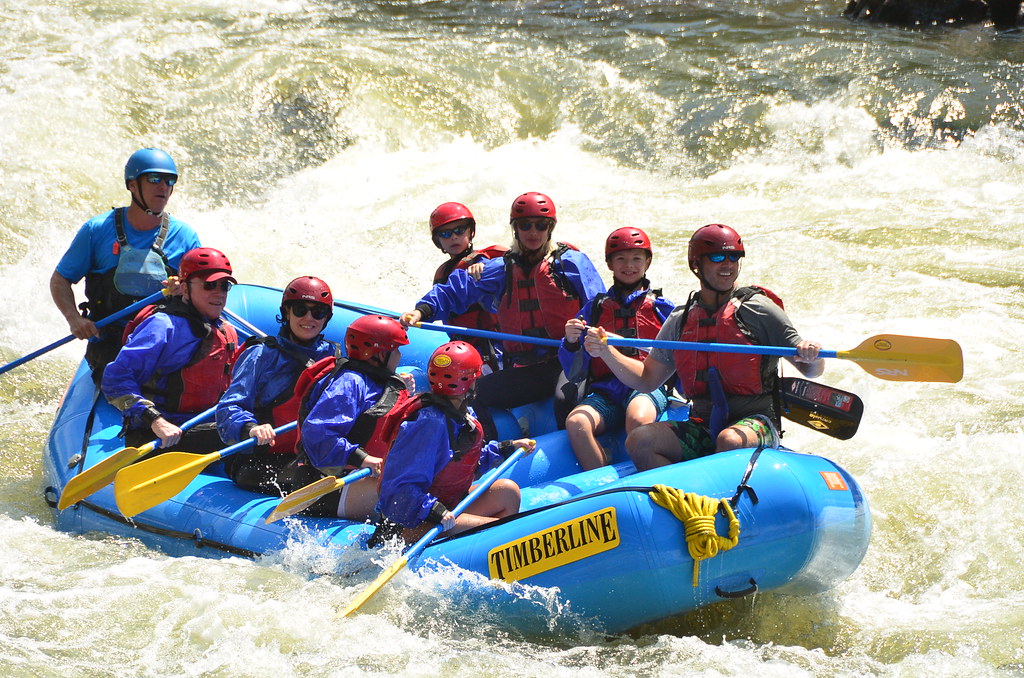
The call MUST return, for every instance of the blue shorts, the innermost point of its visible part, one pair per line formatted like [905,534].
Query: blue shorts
[613,414]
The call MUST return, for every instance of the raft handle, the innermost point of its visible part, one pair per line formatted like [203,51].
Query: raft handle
[737,594]
[197,534]
[50,496]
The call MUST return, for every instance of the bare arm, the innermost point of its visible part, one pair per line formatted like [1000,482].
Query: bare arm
[64,299]
[644,376]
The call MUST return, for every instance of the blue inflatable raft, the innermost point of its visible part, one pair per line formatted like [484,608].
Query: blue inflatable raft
[616,557]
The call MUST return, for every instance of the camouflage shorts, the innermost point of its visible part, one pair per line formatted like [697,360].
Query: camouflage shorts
[695,438]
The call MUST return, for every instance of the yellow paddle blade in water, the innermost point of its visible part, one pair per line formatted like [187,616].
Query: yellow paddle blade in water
[378,583]
[896,357]
[144,485]
[102,474]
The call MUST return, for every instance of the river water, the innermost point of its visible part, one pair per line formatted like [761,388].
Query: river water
[875,173]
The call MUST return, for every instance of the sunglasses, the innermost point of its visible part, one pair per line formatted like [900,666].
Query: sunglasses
[318,311]
[449,232]
[719,257]
[541,226]
[157,178]
[224,285]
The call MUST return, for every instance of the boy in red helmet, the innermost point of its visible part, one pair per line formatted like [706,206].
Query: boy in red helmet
[438,450]
[262,395]
[177,358]
[732,394]
[630,308]
[345,404]
[452,229]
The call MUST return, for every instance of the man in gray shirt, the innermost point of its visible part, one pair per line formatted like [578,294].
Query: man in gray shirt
[732,394]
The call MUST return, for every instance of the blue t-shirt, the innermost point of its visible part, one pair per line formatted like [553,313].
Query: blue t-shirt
[92,250]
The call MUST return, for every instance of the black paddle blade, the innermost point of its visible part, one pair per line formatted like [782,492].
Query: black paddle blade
[824,408]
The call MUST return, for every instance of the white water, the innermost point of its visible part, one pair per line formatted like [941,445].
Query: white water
[875,174]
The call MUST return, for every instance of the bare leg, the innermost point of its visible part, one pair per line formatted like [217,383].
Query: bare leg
[640,411]
[653,445]
[361,500]
[582,424]
[735,437]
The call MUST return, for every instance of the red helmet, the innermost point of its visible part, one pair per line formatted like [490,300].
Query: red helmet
[712,239]
[447,212]
[308,288]
[373,334]
[453,368]
[533,204]
[627,238]
[205,260]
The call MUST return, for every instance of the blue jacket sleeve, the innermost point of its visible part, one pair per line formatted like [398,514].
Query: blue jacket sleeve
[236,407]
[457,294]
[420,451]
[160,342]
[575,363]
[490,457]
[331,417]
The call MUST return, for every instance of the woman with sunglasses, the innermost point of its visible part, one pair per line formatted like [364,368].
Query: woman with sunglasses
[124,255]
[452,229]
[262,396]
[732,394]
[535,288]
[177,358]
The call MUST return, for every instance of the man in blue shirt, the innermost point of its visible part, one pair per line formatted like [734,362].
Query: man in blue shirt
[124,255]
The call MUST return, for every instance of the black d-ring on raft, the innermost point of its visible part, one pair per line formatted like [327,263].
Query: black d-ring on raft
[737,594]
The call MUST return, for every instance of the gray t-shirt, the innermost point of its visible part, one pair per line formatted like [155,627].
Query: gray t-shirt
[768,323]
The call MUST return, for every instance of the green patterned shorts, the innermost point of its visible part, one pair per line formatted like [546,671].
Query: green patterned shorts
[695,438]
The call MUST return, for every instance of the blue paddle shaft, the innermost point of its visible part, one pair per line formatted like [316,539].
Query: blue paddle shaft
[474,494]
[137,306]
[250,442]
[710,347]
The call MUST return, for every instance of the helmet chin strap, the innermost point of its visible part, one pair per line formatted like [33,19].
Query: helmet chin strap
[142,203]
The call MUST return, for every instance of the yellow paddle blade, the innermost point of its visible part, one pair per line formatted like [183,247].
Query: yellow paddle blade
[382,579]
[102,474]
[899,358]
[303,497]
[144,485]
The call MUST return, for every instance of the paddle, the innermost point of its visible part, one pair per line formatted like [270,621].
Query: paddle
[824,408]
[891,357]
[305,496]
[102,474]
[124,312]
[144,485]
[417,548]
[487,334]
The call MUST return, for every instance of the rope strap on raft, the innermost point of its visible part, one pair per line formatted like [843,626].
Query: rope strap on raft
[697,513]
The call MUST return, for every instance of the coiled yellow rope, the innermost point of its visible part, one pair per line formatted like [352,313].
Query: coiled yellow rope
[697,513]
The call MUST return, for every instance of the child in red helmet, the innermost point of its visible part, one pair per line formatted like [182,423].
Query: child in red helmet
[452,229]
[630,308]
[438,450]
[177,358]
[345,404]
[732,394]
[262,396]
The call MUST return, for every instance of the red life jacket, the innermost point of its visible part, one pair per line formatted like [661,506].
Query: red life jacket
[367,429]
[284,408]
[741,373]
[200,383]
[638,320]
[452,483]
[477,316]
[536,303]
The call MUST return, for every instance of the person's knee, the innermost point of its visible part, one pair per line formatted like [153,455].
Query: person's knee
[643,444]
[732,438]
[581,421]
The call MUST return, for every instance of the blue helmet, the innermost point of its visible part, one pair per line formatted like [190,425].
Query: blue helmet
[149,160]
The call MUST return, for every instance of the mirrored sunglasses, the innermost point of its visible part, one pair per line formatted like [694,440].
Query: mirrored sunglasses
[157,178]
[318,311]
[449,232]
[719,257]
